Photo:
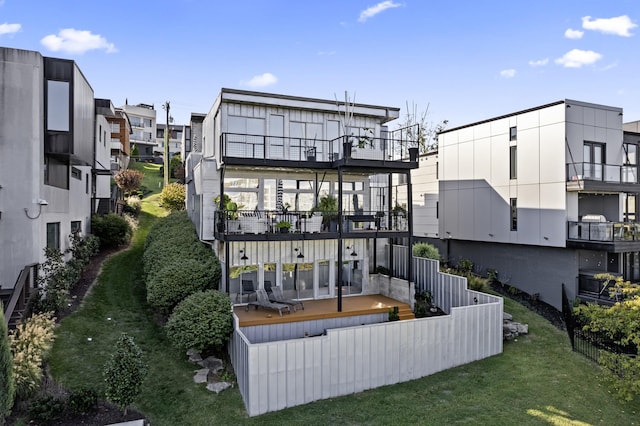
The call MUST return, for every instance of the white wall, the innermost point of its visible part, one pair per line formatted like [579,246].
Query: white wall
[425,196]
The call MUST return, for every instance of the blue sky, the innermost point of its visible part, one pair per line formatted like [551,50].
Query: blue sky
[466,60]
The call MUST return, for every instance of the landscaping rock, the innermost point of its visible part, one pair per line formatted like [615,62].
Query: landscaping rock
[201,375]
[212,363]
[194,356]
[512,329]
[218,387]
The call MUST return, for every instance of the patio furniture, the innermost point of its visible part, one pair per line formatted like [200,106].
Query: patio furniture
[252,223]
[247,289]
[312,224]
[263,300]
[278,296]
[267,286]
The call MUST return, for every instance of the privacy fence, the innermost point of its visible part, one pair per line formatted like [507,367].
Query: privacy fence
[279,374]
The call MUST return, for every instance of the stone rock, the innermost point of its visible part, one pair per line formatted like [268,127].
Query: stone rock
[512,329]
[194,356]
[507,316]
[218,386]
[212,363]
[201,376]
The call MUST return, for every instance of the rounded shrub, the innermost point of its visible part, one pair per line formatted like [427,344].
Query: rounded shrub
[172,196]
[112,230]
[426,250]
[177,279]
[201,321]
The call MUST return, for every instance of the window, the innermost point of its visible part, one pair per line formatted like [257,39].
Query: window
[53,235]
[514,214]
[76,173]
[513,162]
[86,183]
[58,105]
[513,133]
[148,122]
[100,134]
[76,226]
[115,127]
[56,173]
[593,158]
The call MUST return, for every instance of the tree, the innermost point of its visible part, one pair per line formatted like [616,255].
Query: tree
[418,128]
[620,324]
[172,196]
[129,180]
[7,386]
[175,166]
[124,373]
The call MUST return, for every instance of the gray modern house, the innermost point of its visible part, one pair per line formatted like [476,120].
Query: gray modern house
[546,196]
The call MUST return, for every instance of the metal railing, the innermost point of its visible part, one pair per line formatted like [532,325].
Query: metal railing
[610,173]
[276,222]
[603,231]
[301,149]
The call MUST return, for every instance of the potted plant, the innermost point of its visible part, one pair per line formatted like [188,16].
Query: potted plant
[230,212]
[328,206]
[283,226]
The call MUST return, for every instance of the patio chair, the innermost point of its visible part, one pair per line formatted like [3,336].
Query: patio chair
[247,289]
[267,287]
[263,300]
[278,296]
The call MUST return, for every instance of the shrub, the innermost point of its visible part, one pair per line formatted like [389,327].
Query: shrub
[124,373]
[46,408]
[30,343]
[55,281]
[133,205]
[172,196]
[7,386]
[426,250]
[201,321]
[83,401]
[477,283]
[112,230]
[175,166]
[177,279]
[465,266]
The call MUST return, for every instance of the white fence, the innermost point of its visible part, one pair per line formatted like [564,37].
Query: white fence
[276,375]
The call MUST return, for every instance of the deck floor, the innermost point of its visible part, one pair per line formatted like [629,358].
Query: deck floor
[319,309]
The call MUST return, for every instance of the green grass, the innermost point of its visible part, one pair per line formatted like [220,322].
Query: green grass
[152,178]
[536,381]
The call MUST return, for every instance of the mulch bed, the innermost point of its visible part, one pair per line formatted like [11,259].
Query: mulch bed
[541,308]
[105,413]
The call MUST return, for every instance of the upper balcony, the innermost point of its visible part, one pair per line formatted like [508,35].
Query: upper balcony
[353,151]
[616,237]
[270,225]
[601,177]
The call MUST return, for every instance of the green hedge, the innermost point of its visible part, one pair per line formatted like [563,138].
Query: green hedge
[201,321]
[426,250]
[112,230]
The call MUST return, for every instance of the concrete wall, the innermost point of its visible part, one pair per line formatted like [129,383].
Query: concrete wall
[21,159]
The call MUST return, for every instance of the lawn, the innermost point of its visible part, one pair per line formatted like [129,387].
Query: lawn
[152,178]
[538,380]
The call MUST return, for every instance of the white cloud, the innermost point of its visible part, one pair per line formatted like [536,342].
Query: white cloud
[326,52]
[620,25]
[372,11]
[262,80]
[9,28]
[539,62]
[573,34]
[70,40]
[576,58]
[510,73]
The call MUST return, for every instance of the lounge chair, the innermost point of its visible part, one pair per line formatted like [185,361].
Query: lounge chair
[247,290]
[278,296]
[263,300]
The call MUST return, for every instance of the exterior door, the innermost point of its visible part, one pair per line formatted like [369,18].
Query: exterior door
[593,160]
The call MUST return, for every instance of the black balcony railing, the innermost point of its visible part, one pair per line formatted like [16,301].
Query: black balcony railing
[604,231]
[278,222]
[610,173]
[302,149]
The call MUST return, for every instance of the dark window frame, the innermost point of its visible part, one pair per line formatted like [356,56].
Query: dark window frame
[513,207]
[53,235]
[513,162]
[513,133]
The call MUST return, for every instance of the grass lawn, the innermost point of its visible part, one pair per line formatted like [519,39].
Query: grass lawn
[536,381]
[152,178]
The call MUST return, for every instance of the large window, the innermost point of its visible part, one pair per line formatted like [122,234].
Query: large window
[76,226]
[514,214]
[53,235]
[593,157]
[630,166]
[56,173]
[513,162]
[58,105]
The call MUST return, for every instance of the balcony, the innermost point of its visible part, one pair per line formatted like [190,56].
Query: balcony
[258,225]
[601,177]
[614,237]
[345,150]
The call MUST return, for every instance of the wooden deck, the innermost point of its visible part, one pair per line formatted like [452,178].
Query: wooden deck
[322,309]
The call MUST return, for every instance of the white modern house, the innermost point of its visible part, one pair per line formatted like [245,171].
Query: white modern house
[48,170]
[304,194]
[142,119]
[546,196]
